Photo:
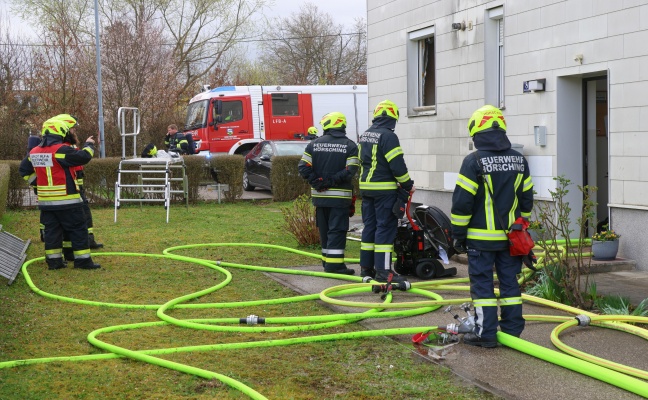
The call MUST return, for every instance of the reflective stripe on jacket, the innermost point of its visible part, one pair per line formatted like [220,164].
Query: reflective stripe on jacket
[473,213]
[382,165]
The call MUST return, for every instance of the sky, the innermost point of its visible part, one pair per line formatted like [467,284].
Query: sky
[342,11]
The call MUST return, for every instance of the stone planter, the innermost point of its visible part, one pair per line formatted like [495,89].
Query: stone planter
[602,251]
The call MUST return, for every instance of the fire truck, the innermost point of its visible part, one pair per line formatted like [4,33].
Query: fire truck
[233,119]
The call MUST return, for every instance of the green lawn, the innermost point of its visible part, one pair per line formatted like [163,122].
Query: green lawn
[35,326]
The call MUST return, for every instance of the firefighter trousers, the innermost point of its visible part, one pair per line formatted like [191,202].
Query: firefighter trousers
[480,270]
[333,224]
[69,222]
[379,232]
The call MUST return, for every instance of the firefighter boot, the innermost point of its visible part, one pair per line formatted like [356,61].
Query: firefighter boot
[367,272]
[85,263]
[473,340]
[338,269]
[399,281]
[92,243]
[55,263]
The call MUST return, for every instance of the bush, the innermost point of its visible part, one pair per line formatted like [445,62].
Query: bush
[229,171]
[300,221]
[285,180]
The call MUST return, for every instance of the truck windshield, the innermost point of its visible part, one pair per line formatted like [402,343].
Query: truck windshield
[197,115]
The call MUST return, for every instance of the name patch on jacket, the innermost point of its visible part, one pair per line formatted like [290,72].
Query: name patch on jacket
[41,160]
[329,147]
[503,163]
[370,137]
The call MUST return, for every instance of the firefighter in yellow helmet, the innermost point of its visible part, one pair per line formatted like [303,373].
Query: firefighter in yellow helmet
[312,133]
[494,187]
[72,123]
[329,164]
[52,165]
[383,175]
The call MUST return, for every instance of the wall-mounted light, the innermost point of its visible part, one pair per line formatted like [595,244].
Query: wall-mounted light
[459,25]
[578,58]
[536,85]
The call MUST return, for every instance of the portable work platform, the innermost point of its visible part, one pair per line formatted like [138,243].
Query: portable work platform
[12,255]
[155,176]
[154,181]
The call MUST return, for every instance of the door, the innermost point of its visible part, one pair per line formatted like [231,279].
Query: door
[596,148]
[234,123]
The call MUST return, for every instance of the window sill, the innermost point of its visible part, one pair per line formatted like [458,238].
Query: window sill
[422,111]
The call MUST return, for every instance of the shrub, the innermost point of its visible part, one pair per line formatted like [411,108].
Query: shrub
[285,180]
[229,171]
[300,221]
[4,187]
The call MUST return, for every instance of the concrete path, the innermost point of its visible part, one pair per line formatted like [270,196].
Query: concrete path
[503,371]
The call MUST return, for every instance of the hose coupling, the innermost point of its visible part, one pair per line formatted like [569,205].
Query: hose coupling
[252,320]
[403,286]
[452,329]
[583,320]
[367,279]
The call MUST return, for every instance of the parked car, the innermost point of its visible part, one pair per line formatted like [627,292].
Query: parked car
[258,162]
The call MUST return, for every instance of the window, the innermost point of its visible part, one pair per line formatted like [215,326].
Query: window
[232,111]
[421,72]
[196,115]
[285,104]
[494,57]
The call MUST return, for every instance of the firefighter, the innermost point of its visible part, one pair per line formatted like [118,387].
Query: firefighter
[382,173]
[494,174]
[329,164]
[175,141]
[312,133]
[73,141]
[52,164]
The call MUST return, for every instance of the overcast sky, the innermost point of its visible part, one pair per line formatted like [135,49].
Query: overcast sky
[342,11]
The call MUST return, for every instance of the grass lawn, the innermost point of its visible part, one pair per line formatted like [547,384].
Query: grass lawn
[129,288]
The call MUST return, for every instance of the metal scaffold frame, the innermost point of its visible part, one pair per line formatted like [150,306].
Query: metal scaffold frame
[154,175]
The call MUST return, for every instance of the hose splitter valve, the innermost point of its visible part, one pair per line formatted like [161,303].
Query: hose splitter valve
[583,320]
[465,325]
[387,288]
[252,320]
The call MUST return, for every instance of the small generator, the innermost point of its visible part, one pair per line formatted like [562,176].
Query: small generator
[421,241]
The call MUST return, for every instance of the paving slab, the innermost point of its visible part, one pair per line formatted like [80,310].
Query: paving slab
[502,371]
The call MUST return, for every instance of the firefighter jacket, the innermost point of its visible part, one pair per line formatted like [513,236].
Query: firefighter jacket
[52,164]
[176,142]
[333,158]
[382,164]
[473,215]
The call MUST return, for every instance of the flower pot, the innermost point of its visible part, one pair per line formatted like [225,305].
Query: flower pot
[607,250]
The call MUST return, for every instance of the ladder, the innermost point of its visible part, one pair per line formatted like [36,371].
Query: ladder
[155,176]
[154,181]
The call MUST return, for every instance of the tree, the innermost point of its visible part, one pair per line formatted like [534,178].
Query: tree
[308,48]
[16,101]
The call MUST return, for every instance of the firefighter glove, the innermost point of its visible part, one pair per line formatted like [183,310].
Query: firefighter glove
[460,246]
[530,260]
[319,184]
[398,209]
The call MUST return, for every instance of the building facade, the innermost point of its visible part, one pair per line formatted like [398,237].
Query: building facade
[571,77]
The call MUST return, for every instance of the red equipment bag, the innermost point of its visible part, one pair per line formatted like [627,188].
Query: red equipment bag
[519,238]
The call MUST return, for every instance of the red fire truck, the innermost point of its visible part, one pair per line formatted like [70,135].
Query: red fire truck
[233,119]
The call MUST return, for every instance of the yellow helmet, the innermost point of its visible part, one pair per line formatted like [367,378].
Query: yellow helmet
[312,130]
[486,118]
[333,120]
[55,126]
[386,108]
[69,120]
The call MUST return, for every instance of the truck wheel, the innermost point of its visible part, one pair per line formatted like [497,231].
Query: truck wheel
[246,183]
